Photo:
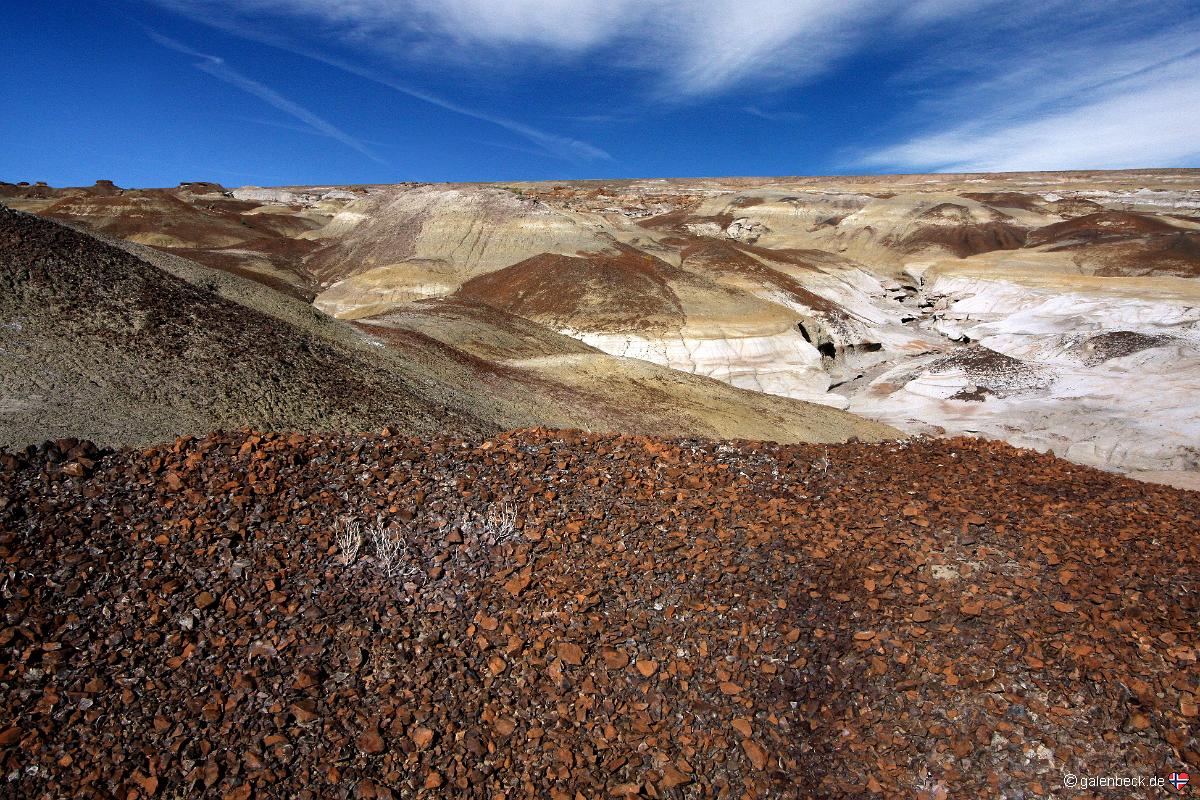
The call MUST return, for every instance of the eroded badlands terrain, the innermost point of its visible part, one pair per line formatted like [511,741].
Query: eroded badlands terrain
[120,343]
[593,490]
[1059,311]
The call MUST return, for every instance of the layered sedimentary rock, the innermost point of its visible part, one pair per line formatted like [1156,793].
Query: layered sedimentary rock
[961,303]
[121,343]
[1102,370]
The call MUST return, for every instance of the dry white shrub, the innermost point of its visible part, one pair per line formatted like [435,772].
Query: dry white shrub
[482,534]
[823,463]
[349,539]
[501,522]
[398,559]
[391,552]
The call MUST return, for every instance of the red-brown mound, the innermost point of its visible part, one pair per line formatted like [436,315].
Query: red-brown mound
[952,227]
[153,213]
[1101,226]
[721,255]
[282,254]
[949,618]
[1024,202]
[606,291]
[1168,254]
[1120,243]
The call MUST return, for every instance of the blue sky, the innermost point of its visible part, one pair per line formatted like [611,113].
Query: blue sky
[153,92]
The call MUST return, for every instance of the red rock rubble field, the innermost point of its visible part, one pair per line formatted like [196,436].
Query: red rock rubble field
[570,615]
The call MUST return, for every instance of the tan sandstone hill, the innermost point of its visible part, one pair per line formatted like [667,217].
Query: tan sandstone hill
[126,344]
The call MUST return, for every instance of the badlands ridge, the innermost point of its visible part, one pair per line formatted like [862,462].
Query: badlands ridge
[1059,311]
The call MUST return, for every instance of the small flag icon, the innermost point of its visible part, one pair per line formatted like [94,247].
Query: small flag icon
[1178,780]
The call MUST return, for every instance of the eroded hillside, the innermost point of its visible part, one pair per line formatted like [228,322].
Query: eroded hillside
[120,343]
[1053,310]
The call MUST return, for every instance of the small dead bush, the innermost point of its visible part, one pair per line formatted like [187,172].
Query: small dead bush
[391,552]
[500,522]
[349,539]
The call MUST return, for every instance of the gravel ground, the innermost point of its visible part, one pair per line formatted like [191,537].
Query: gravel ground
[564,615]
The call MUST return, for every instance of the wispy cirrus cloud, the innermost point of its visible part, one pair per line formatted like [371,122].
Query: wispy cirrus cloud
[692,47]
[1019,84]
[1092,103]
[773,115]
[217,67]
[552,144]
[1145,123]
[363,24]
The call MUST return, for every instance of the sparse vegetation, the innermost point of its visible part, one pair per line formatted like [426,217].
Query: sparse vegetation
[349,539]
[391,552]
[497,525]
[478,533]
[823,463]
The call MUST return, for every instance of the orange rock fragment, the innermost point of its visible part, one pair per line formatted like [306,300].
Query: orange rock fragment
[755,752]
[518,583]
[370,742]
[570,653]
[614,659]
[421,736]
[646,667]
[673,777]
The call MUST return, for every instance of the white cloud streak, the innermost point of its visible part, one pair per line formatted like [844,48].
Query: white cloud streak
[695,47]
[552,144]
[362,20]
[774,116]
[217,68]
[1018,84]
[1136,106]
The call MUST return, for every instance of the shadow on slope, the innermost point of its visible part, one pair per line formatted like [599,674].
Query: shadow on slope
[97,343]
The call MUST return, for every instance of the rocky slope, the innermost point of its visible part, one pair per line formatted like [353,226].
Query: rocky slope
[564,615]
[101,344]
[122,343]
